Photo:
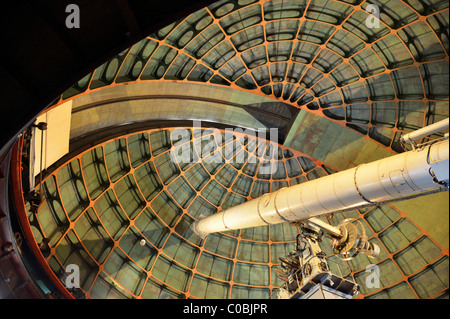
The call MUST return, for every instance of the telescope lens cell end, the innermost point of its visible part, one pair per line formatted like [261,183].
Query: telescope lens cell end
[194,228]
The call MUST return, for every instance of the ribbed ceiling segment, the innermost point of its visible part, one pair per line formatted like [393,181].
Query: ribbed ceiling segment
[324,56]
[101,203]
[319,56]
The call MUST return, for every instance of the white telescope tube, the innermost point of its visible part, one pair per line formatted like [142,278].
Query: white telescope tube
[397,176]
[425,131]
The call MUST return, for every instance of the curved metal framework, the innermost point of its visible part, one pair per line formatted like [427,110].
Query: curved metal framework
[318,55]
[100,204]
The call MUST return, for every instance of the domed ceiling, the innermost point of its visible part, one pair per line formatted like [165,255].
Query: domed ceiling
[340,87]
